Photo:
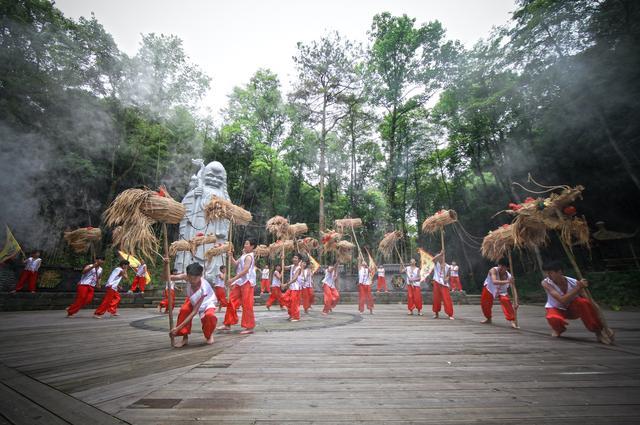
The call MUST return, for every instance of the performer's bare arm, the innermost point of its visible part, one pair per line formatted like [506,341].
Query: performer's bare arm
[578,290]
[243,272]
[496,278]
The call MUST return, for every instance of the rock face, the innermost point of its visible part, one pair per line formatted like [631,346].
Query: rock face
[210,180]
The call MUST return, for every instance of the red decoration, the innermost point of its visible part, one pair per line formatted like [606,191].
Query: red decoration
[88,227]
[515,207]
[529,199]
[199,234]
[570,210]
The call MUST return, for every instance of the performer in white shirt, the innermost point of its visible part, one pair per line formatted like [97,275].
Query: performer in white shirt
[496,286]
[292,297]
[382,282]
[219,286]
[440,282]
[364,288]
[201,300]
[566,300]
[454,279]
[112,297]
[242,285]
[140,280]
[265,286]
[331,294]
[30,273]
[414,295]
[276,291]
[90,278]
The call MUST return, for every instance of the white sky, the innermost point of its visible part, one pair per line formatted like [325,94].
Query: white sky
[230,40]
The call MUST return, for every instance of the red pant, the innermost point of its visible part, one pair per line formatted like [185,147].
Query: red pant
[336,297]
[165,300]
[307,298]
[441,296]
[486,302]
[109,302]
[265,285]
[328,298]
[221,295]
[276,295]
[364,296]
[28,277]
[208,320]
[240,295]
[291,299]
[139,282]
[84,295]
[454,281]
[414,298]
[382,284]
[580,308]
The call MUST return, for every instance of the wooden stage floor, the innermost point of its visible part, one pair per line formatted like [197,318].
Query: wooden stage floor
[388,368]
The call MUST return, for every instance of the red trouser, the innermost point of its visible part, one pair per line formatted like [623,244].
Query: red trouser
[364,296]
[486,302]
[109,302]
[580,308]
[328,298]
[276,295]
[240,295]
[221,295]
[336,297]
[208,320]
[307,298]
[441,296]
[414,298]
[454,281]
[292,301]
[29,277]
[165,300]
[382,284]
[84,295]
[139,282]
[265,285]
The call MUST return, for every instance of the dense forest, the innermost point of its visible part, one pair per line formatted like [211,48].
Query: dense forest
[390,131]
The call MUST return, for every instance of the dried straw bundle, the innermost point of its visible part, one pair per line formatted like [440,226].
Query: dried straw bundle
[498,243]
[180,245]
[567,197]
[439,220]
[386,245]
[344,251]
[297,229]
[136,231]
[575,232]
[348,223]
[221,209]
[201,240]
[529,231]
[217,250]
[308,244]
[262,251]
[278,226]
[330,239]
[275,249]
[80,239]
[162,208]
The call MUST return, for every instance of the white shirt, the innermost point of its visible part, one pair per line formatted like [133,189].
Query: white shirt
[308,279]
[205,290]
[219,282]
[363,276]
[91,277]
[265,274]
[32,264]
[454,271]
[380,272]
[413,276]
[114,279]
[329,278]
[296,285]
[494,289]
[251,274]
[275,281]
[142,270]
[438,274]
[551,301]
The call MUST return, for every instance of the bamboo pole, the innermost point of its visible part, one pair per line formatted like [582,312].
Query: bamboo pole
[399,257]
[607,330]
[167,274]
[229,253]
[357,244]
[514,290]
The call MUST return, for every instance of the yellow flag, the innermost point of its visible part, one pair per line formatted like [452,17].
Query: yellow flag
[11,247]
[134,263]
[426,263]
[314,264]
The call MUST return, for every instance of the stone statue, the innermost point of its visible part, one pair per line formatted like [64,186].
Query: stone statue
[210,180]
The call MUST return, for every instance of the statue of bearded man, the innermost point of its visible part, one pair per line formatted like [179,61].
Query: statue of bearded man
[209,181]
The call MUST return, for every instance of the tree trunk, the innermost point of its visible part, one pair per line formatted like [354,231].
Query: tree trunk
[323,136]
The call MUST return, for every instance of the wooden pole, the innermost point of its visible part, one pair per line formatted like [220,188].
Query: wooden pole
[399,256]
[357,244]
[442,243]
[229,252]
[513,289]
[167,274]
[586,291]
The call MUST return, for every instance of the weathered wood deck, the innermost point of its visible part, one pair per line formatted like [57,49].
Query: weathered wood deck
[385,368]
